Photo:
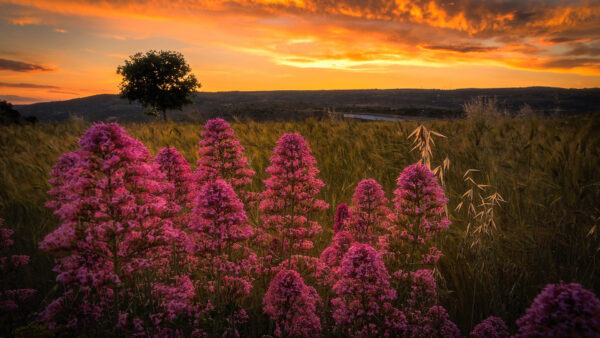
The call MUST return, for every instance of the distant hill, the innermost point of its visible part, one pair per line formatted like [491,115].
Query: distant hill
[286,105]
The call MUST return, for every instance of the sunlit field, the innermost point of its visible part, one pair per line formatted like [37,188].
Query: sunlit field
[531,218]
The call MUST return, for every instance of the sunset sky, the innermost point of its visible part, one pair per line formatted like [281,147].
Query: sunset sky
[62,49]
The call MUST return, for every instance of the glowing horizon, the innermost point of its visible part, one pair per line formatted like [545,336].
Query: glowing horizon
[63,49]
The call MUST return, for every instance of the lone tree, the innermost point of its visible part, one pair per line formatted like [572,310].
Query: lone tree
[159,80]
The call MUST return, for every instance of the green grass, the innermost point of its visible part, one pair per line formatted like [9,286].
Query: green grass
[547,171]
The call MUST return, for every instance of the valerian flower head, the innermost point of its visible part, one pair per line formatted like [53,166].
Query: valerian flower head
[222,156]
[491,327]
[115,216]
[363,306]
[562,310]
[177,170]
[342,213]
[368,214]
[433,322]
[292,305]
[419,215]
[219,217]
[290,197]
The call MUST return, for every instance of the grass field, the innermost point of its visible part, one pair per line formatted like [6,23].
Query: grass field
[547,171]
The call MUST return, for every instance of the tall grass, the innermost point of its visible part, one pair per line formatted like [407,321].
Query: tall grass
[546,170]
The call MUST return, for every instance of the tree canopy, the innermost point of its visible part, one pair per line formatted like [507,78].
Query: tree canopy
[159,80]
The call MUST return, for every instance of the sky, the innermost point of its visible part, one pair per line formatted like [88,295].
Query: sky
[63,49]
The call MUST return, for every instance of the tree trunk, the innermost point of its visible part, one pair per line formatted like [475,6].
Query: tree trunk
[164,114]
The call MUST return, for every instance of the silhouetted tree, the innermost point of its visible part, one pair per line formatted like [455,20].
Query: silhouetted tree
[159,80]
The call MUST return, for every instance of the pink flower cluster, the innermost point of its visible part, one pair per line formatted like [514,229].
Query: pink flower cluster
[434,322]
[562,310]
[177,171]
[291,193]
[491,327]
[10,298]
[342,213]
[419,215]
[221,156]
[292,305]
[368,215]
[113,204]
[363,305]
[145,247]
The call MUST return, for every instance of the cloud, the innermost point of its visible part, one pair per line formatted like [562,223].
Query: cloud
[26,20]
[460,48]
[568,63]
[19,66]
[19,99]
[26,85]
[62,92]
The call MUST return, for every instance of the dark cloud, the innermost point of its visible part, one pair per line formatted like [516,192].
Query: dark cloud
[17,98]
[568,63]
[26,85]
[62,92]
[585,49]
[460,48]
[19,66]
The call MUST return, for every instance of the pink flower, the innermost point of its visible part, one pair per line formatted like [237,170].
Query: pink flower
[420,214]
[19,260]
[220,226]
[116,225]
[433,322]
[491,327]
[362,307]
[292,305]
[222,156]
[219,216]
[342,213]
[562,310]
[290,198]
[332,256]
[368,214]
[177,171]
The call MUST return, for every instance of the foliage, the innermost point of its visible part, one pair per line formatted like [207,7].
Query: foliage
[161,80]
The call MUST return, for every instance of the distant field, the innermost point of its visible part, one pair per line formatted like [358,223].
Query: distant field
[286,105]
[547,171]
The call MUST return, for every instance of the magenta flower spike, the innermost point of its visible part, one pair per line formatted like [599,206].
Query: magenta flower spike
[363,306]
[219,229]
[492,327]
[368,214]
[290,198]
[115,214]
[222,156]
[177,170]
[342,213]
[419,215]
[292,305]
[219,217]
[562,310]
